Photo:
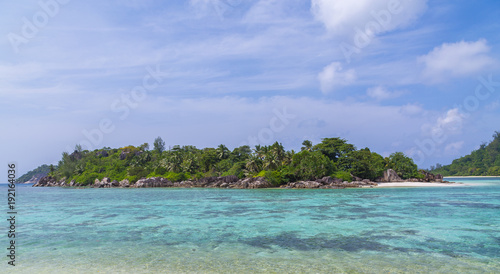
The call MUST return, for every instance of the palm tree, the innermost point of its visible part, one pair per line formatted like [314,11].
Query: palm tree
[259,151]
[253,164]
[271,162]
[222,152]
[307,145]
[288,157]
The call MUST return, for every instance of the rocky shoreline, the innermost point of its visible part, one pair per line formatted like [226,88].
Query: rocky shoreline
[233,182]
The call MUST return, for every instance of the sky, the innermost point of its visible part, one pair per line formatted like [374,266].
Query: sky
[416,76]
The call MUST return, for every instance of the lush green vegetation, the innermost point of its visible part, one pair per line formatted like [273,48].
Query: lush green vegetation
[37,172]
[482,162]
[332,157]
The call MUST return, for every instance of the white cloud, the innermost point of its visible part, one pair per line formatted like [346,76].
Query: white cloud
[333,76]
[450,123]
[341,17]
[381,93]
[455,60]
[454,148]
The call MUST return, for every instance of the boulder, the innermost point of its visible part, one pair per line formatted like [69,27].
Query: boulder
[391,176]
[76,155]
[354,178]
[438,178]
[312,184]
[429,177]
[325,180]
[255,182]
[124,183]
[102,153]
[153,182]
[48,181]
[123,155]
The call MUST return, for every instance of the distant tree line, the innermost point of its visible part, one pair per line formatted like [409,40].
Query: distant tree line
[484,161]
[37,172]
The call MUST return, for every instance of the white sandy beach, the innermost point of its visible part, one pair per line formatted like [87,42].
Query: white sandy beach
[417,184]
[472,177]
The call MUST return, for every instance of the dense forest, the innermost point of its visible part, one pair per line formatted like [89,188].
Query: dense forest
[332,157]
[484,161]
[37,173]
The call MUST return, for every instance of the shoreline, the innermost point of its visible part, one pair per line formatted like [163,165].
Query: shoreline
[471,177]
[418,184]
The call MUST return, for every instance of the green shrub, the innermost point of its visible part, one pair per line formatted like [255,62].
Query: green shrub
[344,175]
[88,178]
[237,169]
[272,176]
[176,177]
[138,171]
[419,176]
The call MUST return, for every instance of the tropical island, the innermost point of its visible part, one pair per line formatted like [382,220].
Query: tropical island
[484,161]
[333,163]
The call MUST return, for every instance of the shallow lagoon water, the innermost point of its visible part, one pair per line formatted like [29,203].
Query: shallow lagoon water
[398,230]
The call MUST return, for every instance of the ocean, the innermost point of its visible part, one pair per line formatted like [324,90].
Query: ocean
[168,230]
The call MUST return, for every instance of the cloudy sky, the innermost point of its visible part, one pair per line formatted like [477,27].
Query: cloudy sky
[416,76]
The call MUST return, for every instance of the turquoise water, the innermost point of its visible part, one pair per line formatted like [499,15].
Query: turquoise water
[389,230]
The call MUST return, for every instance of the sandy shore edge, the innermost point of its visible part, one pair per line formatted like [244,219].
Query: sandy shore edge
[418,184]
[472,177]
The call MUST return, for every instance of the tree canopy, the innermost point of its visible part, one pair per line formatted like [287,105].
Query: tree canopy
[159,145]
[484,161]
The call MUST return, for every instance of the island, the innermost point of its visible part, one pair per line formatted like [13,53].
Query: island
[333,163]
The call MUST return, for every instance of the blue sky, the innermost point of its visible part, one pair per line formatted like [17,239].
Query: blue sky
[415,76]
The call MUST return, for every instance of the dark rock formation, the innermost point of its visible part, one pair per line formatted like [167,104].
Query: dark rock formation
[124,183]
[429,177]
[49,181]
[391,176]
[35,179]
[123,155]
[76,155]
[102,153]
[233,182]
[208,182]
[153,182]
[328,182]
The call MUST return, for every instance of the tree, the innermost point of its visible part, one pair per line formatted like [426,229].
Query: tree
[208,159]
[144,147]
[253,164]
[241,153]
[366,164]
[307,145]
[334,148]
[159,145]
[312,165]
[403,165]
[222,152]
